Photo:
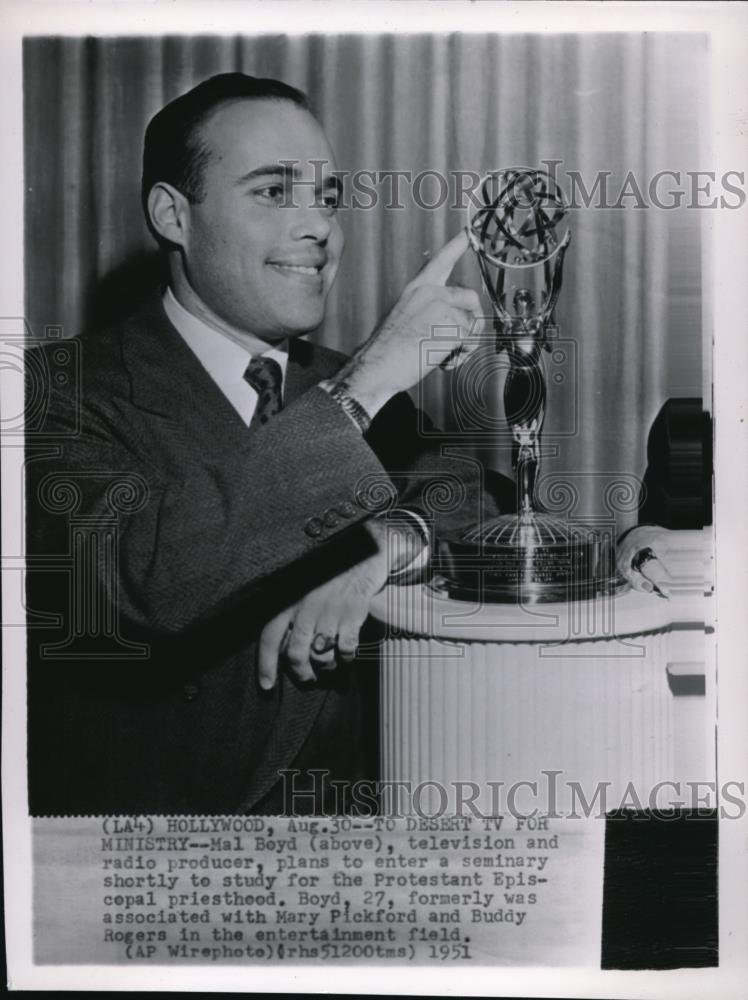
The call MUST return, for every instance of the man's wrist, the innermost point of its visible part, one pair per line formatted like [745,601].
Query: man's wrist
[349,404]
[355,377]
[403,537]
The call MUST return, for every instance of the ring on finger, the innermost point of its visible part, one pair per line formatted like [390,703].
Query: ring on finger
[322,643]
[641,558]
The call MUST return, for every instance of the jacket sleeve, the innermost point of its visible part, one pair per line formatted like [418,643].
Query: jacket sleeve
[192,544]
[443,482]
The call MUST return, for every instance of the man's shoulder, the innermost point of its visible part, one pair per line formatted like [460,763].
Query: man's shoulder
[103,342]
[94,365]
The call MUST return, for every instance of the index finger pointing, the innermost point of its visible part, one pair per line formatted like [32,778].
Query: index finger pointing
[441,266]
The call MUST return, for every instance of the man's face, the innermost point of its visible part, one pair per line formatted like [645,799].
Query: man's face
[260,252]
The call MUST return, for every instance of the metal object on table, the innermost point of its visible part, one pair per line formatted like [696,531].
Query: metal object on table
[532,556]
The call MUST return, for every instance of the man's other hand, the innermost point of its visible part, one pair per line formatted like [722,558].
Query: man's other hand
[448,317]
[638,558]
[323,627]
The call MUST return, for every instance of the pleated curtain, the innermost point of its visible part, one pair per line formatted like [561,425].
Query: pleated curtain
[630,314]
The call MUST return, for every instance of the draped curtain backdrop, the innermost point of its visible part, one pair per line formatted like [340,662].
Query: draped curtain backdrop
[630,311]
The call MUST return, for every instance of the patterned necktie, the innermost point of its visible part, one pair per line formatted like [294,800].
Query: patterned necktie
[266,378]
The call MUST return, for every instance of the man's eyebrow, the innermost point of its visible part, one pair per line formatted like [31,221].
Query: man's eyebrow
[269,170]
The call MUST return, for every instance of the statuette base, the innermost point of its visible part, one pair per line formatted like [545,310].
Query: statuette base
[530,558]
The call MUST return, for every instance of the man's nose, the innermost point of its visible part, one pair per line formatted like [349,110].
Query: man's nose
[313,221]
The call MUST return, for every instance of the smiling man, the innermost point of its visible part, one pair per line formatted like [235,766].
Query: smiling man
[239,263]
[226,473]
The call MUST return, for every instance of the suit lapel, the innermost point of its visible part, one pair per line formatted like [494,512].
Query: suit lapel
[168,381]
[308,365]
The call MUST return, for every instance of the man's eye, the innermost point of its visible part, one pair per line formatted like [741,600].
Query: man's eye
[272,192]
[330,200]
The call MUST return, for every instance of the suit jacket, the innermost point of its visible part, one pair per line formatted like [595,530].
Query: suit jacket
[163,534]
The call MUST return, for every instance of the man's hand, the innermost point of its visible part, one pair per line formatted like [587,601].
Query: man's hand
[391,360]
[325,624]
[638,561]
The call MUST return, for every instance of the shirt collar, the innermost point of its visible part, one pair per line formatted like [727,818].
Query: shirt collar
[224,358]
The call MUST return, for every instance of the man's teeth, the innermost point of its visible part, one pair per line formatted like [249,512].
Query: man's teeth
[299,268]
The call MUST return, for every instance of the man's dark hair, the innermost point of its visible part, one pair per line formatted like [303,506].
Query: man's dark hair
[174,151]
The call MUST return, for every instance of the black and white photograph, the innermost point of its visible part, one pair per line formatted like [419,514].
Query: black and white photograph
[373,475]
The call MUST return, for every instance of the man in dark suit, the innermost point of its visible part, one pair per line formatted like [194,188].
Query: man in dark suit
[213,489]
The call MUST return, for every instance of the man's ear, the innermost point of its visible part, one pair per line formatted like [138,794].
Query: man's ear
[169,213]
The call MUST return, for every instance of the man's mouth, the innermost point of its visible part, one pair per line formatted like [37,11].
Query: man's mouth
[312,268]
[298,268]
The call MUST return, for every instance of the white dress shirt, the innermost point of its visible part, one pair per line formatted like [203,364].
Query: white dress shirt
[225,358]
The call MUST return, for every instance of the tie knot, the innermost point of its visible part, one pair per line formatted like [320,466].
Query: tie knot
[266,378]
